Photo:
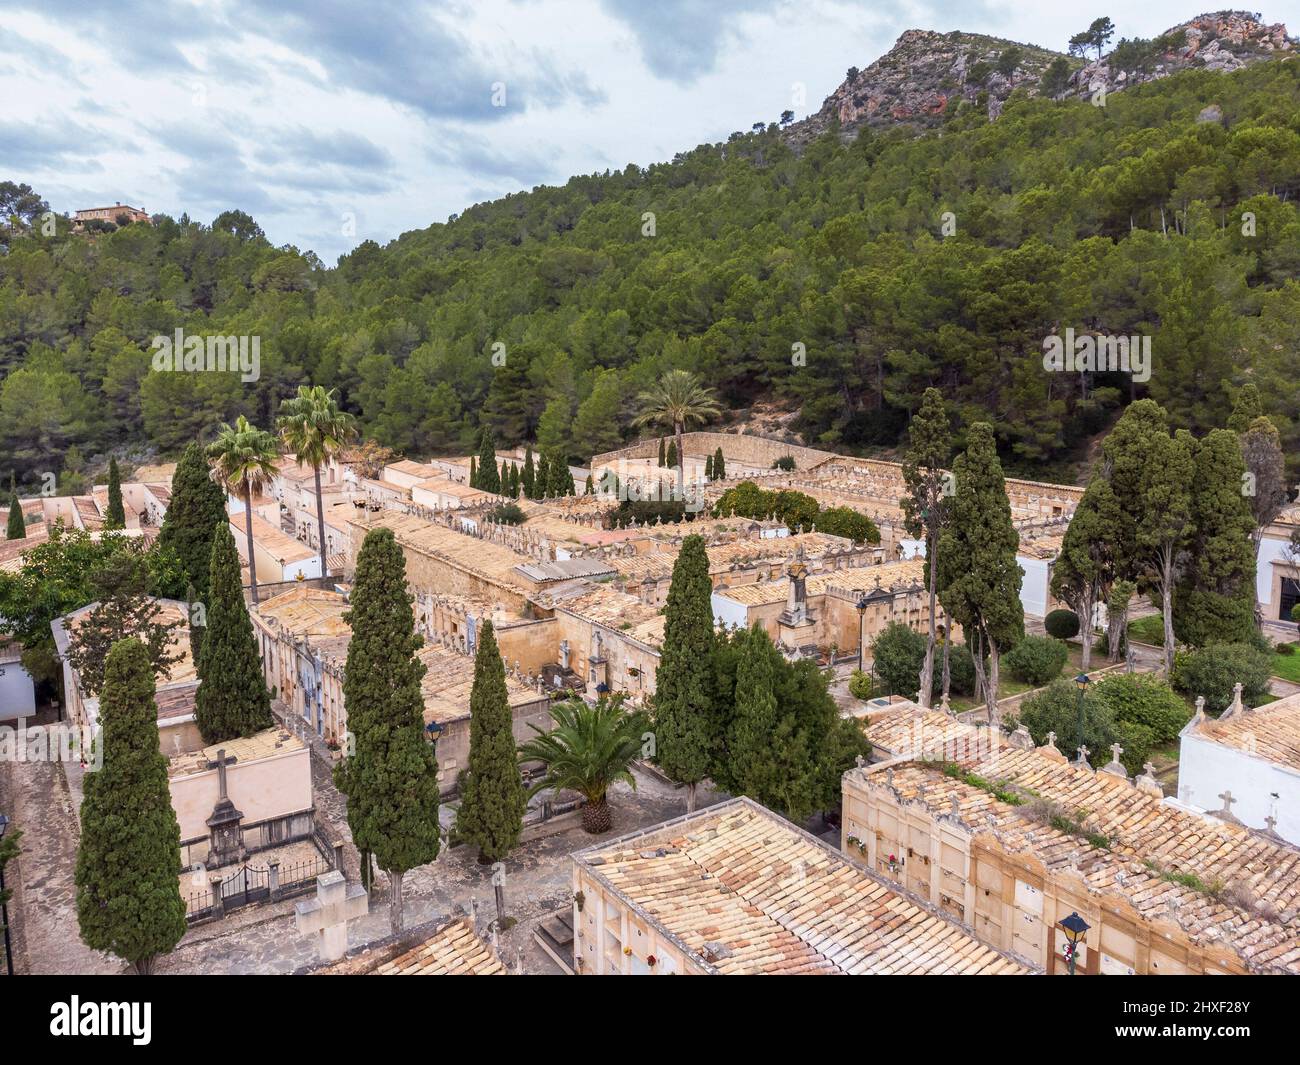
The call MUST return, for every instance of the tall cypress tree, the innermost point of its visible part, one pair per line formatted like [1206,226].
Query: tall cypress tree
[128,895]
[750,764]
[1086,566]
[529,478]
[979,577]
[391,778]
[493,800]
[708,467]
[504,478]
[17,527]
[662,456]
[115,515]
[684,701]
[672,454]
[719,465]
[489,480]
[1215,597]
[541,483]
[196,508]
[473,472]
[232,699]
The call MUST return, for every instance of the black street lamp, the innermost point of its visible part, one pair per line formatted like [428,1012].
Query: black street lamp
[1075,927]
[4,906]
[862,616]
[1081,682]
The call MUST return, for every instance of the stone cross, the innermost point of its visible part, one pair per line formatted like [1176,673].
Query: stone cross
[1083,754]
[1115,751]
[1051,739]
[327,915]
[1271,823]
[1228,800]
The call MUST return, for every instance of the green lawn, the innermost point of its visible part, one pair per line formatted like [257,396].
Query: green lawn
[1287,666]
[1148,630]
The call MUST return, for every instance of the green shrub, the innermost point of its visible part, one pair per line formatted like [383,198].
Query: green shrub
[1146,711]
[961,669]
[860,685]
[1056,709]
[785,462]
[849,523]
[507,514]
[1063,624]
[898,653]
[1037,659]
[1285,648]
[1212,671]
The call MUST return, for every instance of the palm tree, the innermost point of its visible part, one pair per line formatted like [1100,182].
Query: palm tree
[244,460]
[315,430]
[677,400]
[589,749]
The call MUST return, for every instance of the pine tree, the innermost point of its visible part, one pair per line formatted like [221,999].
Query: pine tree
[115,515]
[708,467]
[391,778]
[196,508]
[529,478]
[128,894]
[663,461]
[979,578]
[489,480]
[17,527]
[1215,597]
[929,448]
[232,699]
[684,701]
[493,799]
[719,465]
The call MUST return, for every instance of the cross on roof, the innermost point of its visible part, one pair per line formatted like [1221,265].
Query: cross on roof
[1051,739]
[1115,751]
[1271,822]
[1228,800]
[327,915]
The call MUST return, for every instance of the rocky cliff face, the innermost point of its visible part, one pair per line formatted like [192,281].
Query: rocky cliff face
[926,74]
[1225,40]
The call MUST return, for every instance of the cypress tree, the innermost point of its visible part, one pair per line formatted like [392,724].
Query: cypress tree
[979,578]
[1085,568]
[662,461]
[1215,598]
[719,465]
[232,699]
[473,472]
[684,701]
[529,478]
[754,717]
[128,895]
[514,480]
[391,778]
[504,478]
[17,527]
[492,795]
[196,508]
[590,485]
[708,467]
[115,516]
[1246,408]
[541,483]
[488,477]
[672,454]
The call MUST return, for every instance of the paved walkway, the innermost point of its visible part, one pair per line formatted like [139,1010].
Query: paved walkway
[43,910]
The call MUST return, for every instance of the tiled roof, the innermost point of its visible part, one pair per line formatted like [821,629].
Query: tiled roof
[1251,909]
[907,730]
[492,561]
[895,575]
[748,893]
[449,680]
[262,744]
[1271,732]
[453,950]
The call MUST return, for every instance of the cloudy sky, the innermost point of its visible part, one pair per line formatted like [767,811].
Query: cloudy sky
[333,122]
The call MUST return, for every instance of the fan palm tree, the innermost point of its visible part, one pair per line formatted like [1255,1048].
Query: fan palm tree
[677,400]
[589,749]
[315,430]
[243,460]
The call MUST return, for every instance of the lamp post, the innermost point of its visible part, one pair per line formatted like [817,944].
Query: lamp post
[4,906]
[1081,682]
[1075,927]
[862,617]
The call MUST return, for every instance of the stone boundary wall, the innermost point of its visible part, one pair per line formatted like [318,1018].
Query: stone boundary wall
[743,448]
